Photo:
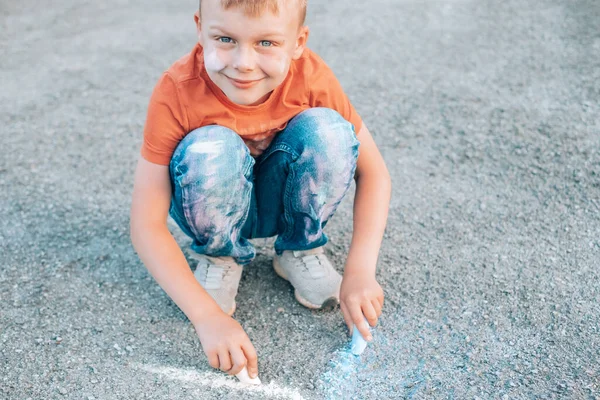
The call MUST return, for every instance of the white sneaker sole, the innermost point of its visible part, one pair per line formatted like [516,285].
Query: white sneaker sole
[329,303]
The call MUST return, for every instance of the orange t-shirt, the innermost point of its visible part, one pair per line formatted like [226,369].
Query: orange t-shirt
[185,98]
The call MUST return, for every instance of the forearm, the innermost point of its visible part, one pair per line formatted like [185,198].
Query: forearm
[371,206]
[161,254]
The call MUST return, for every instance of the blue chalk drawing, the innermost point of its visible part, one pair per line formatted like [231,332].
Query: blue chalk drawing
[340,380]
[391,365]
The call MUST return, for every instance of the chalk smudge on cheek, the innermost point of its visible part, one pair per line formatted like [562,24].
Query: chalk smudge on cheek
[212,61]
[275,65]
[282,64]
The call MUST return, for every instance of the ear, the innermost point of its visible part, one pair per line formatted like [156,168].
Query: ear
[301,42]
[198,26]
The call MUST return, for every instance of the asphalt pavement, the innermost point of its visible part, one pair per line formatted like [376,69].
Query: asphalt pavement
[487,114]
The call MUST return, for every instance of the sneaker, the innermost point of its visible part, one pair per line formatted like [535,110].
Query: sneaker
[220,277]
[316,282]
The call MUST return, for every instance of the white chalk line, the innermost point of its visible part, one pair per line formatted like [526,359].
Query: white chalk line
[214,380]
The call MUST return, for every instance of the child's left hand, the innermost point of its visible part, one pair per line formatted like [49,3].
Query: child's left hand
[360,297]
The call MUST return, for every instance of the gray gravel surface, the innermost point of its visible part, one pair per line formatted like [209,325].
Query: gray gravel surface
[488,116]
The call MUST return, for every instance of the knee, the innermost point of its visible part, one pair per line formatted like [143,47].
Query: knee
[325,131]
[208,142]
[208,150]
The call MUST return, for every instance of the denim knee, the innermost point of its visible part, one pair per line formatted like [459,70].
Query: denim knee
[211,146]
[211,176]
[321,149]
[323,135]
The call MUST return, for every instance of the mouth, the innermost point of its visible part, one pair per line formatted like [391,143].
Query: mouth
[243,84]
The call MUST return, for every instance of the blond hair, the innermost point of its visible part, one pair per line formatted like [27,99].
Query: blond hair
[254,8]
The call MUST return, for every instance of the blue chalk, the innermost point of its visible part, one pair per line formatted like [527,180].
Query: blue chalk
[358,344]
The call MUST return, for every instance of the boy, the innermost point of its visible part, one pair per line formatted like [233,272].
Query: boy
[248,136]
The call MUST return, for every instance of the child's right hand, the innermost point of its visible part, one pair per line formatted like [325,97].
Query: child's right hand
[226,344]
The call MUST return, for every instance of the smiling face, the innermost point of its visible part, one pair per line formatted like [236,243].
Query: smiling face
[246,56]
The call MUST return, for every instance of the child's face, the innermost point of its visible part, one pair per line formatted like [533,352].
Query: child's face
[247,57]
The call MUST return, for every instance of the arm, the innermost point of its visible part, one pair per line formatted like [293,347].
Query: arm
[360,295]
[223,339]
[157,248]
[371,205]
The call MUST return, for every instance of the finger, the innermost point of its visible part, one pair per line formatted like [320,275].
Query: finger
[360,323]
[369,313]
[251,359]
[224,360]
[239,360]
[213,359]
[347,317]
[377,307]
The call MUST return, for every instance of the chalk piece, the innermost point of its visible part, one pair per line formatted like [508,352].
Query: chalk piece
[245,378]
[358,344]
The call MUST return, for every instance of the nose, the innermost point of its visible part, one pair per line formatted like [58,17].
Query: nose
[244,60]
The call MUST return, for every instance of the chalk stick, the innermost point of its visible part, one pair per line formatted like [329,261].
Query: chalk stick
[245,378]
[358,344]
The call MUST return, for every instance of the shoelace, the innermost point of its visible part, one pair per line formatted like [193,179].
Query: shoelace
[215,274]
[313,264]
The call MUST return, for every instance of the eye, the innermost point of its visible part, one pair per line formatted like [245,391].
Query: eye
[266,43]
[225,39]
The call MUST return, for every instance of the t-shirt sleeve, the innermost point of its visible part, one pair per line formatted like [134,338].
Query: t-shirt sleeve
[165,123]
[326,91]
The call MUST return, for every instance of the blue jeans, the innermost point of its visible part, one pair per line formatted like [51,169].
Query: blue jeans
[222,196]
